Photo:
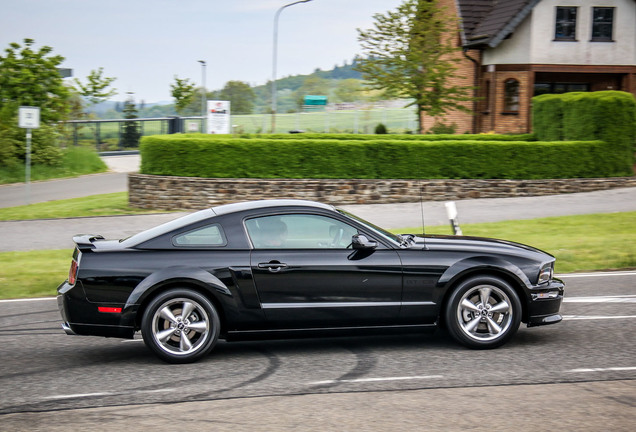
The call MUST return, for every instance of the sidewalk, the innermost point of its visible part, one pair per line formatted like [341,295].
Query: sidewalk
[116,180]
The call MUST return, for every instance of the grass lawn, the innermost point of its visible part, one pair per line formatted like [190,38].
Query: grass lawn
[580,243]
[34,273]
[94,205]
[76,161]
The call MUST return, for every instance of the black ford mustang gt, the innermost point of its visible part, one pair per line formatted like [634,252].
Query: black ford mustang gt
[290,268]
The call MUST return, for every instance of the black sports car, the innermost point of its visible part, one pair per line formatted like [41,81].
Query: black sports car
[290,268]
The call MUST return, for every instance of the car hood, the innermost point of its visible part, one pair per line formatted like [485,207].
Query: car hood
[476,244]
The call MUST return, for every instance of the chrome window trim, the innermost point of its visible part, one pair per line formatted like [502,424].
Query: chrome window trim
[341,304]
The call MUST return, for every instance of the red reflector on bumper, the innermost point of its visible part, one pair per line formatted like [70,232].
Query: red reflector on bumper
[109,309]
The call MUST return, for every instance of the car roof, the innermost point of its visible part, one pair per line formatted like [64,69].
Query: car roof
[201,215]
[251,205]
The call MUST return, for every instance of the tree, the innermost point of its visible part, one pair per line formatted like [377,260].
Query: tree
[411,53]
[96,88]
[30,77]
[131,134]
[349,90]
[240,95]
[183,92]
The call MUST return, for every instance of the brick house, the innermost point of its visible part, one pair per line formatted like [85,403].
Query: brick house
[516,49]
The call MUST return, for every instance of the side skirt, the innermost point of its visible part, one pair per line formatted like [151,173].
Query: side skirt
[326,332]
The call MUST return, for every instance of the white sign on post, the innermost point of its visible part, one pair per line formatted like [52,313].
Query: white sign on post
[218,117]
[29,117]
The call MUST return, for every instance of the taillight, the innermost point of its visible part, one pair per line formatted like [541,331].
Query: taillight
[72,273]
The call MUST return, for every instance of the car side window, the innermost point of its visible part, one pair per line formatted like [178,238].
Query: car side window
[210,235]
[299,231]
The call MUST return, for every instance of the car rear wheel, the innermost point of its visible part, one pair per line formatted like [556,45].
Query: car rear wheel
[180,326]
[483,312]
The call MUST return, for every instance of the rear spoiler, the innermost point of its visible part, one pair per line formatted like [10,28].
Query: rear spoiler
[84,242]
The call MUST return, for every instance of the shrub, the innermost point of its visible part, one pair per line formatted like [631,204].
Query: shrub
[380,129]
[440,128]
[547,117]
[606,115]
[204,156]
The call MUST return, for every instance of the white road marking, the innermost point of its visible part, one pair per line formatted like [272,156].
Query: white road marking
[602,299]
[609,369]
[595,274]
[363,380]
[83,395]
[28,300]
[78,395]
[596,317]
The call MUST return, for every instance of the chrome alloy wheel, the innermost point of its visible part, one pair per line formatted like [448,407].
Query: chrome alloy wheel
[180,326]
[484,313]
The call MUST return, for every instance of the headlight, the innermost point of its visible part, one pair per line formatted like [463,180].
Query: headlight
[546,273]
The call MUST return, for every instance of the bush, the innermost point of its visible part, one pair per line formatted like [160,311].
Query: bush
[606,115]
[372,137]
[74,161]
[208,156]
[547,117]
[440,128]
[380,129]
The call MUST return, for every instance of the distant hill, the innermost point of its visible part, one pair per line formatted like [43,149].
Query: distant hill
[286,97]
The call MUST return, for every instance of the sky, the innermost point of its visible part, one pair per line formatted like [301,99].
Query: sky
[145,43]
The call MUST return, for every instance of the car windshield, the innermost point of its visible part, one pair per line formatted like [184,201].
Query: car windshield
[375,229]
[167,227]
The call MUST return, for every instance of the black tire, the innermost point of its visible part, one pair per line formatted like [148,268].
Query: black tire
[483,312]
[174,337]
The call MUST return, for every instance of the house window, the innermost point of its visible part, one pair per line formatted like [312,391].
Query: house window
[511,96]
[565,28]
[602,24]
[559,88]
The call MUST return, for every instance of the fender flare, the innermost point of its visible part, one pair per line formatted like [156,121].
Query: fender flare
[209,283]
[478,264]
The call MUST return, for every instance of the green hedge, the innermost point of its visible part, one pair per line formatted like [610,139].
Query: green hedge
[606,115]
[208,156]
[547,117]
[372,137]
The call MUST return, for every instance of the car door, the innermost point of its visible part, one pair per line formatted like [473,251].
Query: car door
[307,276]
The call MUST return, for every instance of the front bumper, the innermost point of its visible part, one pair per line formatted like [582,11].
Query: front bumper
[81,317]
[544,303]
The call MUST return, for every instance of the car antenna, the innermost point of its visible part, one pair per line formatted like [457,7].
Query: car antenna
[422,208]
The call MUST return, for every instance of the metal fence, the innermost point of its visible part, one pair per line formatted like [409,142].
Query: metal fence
[106,135]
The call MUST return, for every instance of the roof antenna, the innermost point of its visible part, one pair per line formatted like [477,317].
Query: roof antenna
[422,206]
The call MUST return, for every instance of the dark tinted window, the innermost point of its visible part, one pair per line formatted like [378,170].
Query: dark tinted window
[211,235]
[511,95]
[299,231]
[602,23]
[565,28]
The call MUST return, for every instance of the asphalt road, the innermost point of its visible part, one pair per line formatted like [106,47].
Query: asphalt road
[58,233]
[579,375]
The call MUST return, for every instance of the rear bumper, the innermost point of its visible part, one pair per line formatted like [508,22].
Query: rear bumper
[81,317]
[544,304]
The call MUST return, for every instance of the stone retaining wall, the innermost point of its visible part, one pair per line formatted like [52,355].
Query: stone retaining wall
[191,193]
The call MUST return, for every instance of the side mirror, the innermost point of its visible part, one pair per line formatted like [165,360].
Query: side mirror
[361,242]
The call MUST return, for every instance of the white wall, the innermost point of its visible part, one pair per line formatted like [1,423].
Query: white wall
[533,41]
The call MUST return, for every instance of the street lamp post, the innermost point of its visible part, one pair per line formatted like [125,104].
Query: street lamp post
[203,110]
[274,53]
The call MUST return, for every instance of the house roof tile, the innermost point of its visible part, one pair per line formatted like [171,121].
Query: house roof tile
[488,22]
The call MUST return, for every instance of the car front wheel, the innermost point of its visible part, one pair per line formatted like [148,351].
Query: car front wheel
[180,326]
[483,312]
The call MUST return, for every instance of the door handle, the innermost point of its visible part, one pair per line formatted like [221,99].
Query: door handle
[273,267]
